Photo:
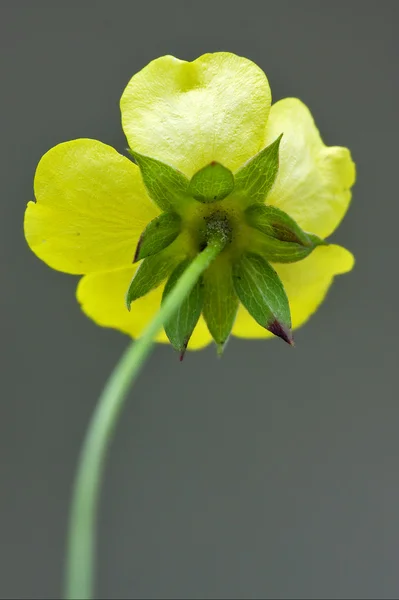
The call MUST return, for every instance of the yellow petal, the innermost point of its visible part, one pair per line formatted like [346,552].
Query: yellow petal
[91,207]
[188,114]
[314,181]
[306,283]
[102,298]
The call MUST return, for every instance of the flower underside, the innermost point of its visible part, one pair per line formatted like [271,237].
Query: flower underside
[217,205]
[213,163]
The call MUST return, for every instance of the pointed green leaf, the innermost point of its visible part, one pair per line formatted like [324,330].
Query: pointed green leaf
[213,182]
[151,273]
[180,326]
[165,185]
[158,234]
[220,301]
[255,179]
[260,290]
[283,240]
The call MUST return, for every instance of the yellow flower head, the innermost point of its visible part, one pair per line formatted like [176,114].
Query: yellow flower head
[212,157]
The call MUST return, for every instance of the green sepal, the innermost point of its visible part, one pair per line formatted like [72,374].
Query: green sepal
[276,223]
[283,240]
[158,234]
[262,293]
[212,183]
[151,273]
[165,185]
[255,179]
[181,325]
[220,301]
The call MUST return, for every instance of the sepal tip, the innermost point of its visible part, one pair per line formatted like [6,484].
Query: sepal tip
[137,252]
[281,331]
[220,349]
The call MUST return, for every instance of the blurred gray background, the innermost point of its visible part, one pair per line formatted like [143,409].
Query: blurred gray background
[272,473]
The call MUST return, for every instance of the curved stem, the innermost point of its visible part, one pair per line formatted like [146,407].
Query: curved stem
[81,535]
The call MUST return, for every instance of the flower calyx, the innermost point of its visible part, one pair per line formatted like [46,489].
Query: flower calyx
[231,209]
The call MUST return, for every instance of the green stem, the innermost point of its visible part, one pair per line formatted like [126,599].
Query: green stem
[83,518]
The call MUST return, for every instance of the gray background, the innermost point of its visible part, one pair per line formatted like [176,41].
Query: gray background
[272,473]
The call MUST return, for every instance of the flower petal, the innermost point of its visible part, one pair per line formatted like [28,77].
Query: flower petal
[102,298]
[306,283]
[91,208]
[313,183]
[188,114]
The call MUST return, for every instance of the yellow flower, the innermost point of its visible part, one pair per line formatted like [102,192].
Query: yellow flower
[92,205]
